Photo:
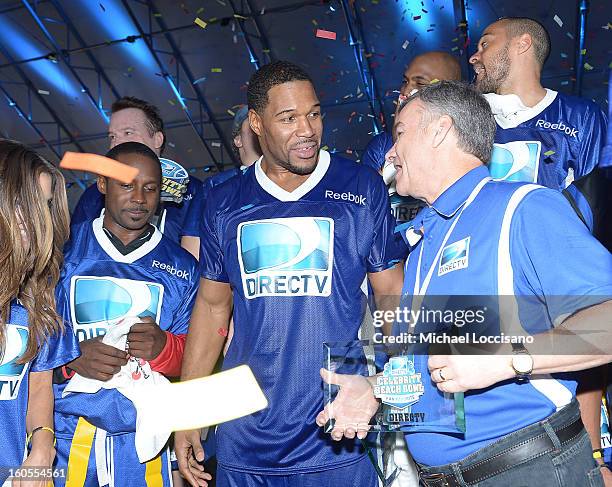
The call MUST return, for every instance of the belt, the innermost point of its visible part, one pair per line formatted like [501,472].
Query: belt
[513,456]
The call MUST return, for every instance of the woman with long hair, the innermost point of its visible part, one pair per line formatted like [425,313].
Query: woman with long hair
[34,225]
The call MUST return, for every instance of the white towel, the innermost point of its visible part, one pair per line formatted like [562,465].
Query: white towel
[134,380]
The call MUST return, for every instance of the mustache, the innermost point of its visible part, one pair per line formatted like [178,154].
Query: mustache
[303,143]
[137,208]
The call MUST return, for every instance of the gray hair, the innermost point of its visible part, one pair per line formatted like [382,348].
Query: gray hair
[470,112]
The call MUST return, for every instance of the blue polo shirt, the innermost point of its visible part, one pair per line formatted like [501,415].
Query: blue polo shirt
[511,239]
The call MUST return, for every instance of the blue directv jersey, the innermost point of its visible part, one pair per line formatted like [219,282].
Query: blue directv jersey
[159,280]
[404,208]
[295,261]
[55,352]
[520,242]
[173,217]
[191,227]
[377,148]
[561,142]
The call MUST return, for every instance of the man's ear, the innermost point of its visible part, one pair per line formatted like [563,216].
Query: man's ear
[441,129]
[238,141]
[255,122]
[158,140]
[101,182]
[523,43]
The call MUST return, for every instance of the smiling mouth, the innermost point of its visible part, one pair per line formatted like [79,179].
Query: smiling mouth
[306,151]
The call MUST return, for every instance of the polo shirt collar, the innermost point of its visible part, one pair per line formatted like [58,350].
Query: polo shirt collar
[454,196]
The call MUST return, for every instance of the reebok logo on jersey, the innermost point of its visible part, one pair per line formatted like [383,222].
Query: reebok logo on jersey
[286,256]
[11,373]
[173,271]
[571,131]
[346,196]
[97,303]
[454,256]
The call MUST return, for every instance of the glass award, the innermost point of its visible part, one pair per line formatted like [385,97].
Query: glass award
[409,399]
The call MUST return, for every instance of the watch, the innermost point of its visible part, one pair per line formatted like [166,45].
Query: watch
[522,362]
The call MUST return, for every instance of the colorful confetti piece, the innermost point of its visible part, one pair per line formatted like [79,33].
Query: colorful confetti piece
[200,22]
[216,70]
[558,21]
[325,34]
[549,153]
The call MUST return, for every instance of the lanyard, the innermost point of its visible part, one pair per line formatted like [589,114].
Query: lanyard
[420,290]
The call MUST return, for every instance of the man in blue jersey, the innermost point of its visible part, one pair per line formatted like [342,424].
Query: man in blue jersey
[119,266]
[479,237]
[422,70]
[542,136]
[135,120]
[290,241]
[246,147]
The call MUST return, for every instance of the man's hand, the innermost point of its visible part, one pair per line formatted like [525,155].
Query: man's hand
[353,407]
[98,360]
[460,373]
[146,339]
[190,455]
[606,473]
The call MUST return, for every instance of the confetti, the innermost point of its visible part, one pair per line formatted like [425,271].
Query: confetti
[99,165]
[588,67]
[549,153]
[216,144]
[405,44]
[200,22]
[325,34]
[558,21]
[102,7]
[231,112]
[417,17]
[43,92]
[200,10]
[171,102]
[200,80]
[216,70]
[241,17]
[570,35]
[563,55]
[435,80]
[583,51]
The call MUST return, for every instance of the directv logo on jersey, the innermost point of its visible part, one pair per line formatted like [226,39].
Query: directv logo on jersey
[346,196]
[454,256]
[173,271]
[516,161]
[11,373]
[543,124]
[97,303]
[286,256]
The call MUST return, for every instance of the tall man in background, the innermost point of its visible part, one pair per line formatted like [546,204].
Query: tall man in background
[542,136]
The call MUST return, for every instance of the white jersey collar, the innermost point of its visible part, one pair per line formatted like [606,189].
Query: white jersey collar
[279,193]
[509,111]
[112,251]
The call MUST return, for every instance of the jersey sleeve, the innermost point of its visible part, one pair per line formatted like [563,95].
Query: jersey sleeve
[89,206]
[212,265]
[374,155]
[387,248]
[592,141]
[556,259]
[182,315]
[191,227]
[59,348]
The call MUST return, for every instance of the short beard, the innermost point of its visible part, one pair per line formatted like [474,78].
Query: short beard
[299,170]
[500,68]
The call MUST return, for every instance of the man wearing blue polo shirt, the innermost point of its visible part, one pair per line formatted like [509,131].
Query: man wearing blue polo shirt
[481,237]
